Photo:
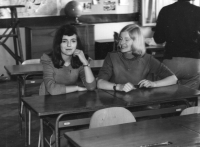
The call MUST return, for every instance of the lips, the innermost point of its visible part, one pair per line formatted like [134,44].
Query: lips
[123,46]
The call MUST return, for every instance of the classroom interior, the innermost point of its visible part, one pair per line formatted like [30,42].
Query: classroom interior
[97,31]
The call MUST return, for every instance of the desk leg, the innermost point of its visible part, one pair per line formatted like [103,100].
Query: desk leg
[19,106]
[41,132]
[26,127]
[29,127]
[198,101]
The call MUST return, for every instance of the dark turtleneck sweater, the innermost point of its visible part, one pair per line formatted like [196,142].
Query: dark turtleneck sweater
[178,25]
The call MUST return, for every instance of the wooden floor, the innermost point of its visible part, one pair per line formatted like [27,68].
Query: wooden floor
[9,126]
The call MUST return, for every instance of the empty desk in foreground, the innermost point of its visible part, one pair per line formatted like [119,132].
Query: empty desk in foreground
[157,132]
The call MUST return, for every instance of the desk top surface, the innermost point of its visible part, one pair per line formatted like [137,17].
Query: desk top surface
[11,6]
[142,96]
[76,102]
[37,68]
[24,69]
[141,134]
[89,101]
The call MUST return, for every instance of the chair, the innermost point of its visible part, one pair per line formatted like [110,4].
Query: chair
[116,40]
[190,110]
[95,66]
[31,61]
[30,79]
[111,116]
[63,121]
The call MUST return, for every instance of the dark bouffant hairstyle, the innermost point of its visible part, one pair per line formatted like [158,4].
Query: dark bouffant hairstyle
[55,55]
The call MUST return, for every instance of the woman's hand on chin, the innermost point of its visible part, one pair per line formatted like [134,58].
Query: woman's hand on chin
[81,56]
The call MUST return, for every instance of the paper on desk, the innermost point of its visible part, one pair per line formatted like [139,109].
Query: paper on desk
[151,41]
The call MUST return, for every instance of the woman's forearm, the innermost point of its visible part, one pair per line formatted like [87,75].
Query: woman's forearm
[70,89]
[103,84]
[166,81]
[89,77]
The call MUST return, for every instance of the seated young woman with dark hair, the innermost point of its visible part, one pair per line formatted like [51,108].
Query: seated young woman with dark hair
[65,65]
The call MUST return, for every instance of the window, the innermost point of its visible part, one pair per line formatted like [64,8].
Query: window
[151,8]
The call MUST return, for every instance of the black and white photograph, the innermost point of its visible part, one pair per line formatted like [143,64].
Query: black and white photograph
[99,73]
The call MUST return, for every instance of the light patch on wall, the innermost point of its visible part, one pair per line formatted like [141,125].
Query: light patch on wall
[87,6]
[124,2]
[109,5]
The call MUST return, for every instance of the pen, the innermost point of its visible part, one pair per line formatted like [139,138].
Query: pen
[157,144]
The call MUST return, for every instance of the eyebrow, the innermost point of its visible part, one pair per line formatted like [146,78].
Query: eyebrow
[69,39]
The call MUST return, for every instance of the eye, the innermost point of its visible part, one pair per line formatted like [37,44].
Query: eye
[74,40]
[64,40]
[120,39]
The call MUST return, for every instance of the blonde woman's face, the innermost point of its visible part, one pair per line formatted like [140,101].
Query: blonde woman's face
[125,42]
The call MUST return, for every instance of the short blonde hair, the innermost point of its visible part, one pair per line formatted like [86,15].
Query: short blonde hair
[136,35]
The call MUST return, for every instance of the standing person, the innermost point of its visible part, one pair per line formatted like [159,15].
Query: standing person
[65,65]
[178,25]
[131,65]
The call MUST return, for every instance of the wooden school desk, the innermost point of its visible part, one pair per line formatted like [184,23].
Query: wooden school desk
[142,134]
[71,103]
[90,101]
[142,96]
[23,71]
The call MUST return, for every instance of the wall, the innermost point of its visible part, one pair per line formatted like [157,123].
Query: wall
[5,57]
[106,30]
[102,31]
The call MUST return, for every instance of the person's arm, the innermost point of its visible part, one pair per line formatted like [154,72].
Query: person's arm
[103,84]
[171,80]
[50,84]
[105,75]
[87,77]
[159,34]
[70,89]
[163,72]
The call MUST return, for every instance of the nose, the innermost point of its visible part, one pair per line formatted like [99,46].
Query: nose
[121,43]
[69,44]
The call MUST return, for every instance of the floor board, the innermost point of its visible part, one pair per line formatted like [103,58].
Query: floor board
[9,126]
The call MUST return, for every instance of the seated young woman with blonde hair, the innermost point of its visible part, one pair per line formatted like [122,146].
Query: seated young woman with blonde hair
[131,65]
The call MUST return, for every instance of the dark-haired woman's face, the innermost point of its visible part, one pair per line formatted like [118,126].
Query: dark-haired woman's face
[68,44]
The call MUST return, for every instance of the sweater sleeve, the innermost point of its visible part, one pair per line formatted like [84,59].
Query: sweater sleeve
[106,70]
[159,69]
[89,86]
[159,35]
[50,84]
